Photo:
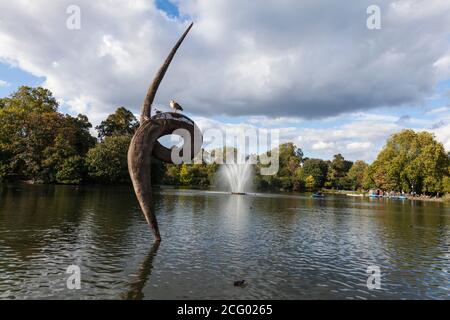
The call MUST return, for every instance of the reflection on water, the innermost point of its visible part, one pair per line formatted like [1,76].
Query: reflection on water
[284,246]
[144,272]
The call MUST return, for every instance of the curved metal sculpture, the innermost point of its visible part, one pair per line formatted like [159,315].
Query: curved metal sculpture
[145,145]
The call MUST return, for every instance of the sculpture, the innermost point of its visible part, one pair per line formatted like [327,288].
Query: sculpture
[145,145]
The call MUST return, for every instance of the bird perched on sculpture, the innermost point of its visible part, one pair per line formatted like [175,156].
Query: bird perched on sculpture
[175,106]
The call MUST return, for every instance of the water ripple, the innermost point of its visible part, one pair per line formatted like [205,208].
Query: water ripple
[284,246]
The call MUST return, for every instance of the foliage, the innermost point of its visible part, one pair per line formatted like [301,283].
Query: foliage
[31,99]
[290,159]
[410,161]
[120,123]
[39,143]
[310,182]
[185,175]
[446,184]
[337,172]
[355,176]
[72,171]
[107,161]
[316,168]
[35,139]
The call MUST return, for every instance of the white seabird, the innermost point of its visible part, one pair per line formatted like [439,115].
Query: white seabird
[175,106]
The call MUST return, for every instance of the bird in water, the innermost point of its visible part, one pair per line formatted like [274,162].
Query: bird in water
[240,283]
[175,106]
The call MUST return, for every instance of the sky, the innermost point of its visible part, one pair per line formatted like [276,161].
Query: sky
[311,69]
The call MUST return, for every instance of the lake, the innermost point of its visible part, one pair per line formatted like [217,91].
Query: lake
[285,246]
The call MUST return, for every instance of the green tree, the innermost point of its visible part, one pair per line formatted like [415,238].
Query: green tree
[310,182]
[290,158]
[356,174]
[446,184]
[107,161]
[122,122]
[410,161]
[72,171]
[337,172]
[3,171]
[185,175]
[316,168]
[31,99]
[35,139]
[171,175]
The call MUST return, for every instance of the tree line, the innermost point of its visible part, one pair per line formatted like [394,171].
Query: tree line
[40,144]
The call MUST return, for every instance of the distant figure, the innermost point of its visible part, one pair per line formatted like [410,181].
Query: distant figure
[175,106]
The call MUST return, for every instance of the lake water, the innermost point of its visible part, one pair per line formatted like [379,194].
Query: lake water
[284,246]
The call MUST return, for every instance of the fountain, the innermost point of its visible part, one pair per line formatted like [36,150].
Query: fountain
[238,177]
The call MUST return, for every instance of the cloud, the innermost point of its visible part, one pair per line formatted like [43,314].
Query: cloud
[303,59]
[403,119]
[292,65]
[359,146]
[321,145]
[274,121]
[438,125]
[442,134]
[439,110]
[360,138]
[4,83]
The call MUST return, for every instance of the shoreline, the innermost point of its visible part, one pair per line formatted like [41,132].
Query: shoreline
[365,195]
[345,193]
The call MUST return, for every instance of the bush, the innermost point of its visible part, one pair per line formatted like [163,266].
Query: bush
[72,171]
[3,171]
[107,161]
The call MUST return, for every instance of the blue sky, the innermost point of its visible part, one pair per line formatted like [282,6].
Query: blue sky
[310,69]
[168,7]
[15,77]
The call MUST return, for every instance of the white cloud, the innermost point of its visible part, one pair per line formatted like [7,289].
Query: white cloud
[321,145]
[278,63]
[361,138]
[4,83]
[359,146]
[443,134]
[274,121]
[285,59]
[439,110]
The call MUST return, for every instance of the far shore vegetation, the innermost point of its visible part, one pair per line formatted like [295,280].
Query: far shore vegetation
[41,145]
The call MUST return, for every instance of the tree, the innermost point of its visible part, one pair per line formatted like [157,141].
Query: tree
[337,172]
[185,175]
[171,175]
[32,99]
[316,168]
[107,161]
[72,171]
[70,145]
[446,184]
[310,182]
[122,122]
[355,175]
[290,158]
[77,130]
[35,139]
[410,161]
